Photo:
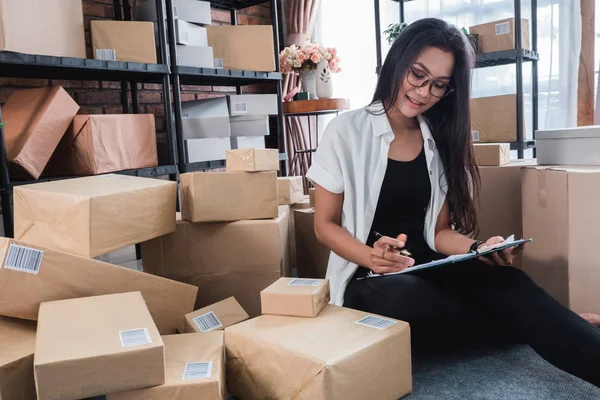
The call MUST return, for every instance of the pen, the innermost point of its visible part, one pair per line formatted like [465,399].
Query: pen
[403,252]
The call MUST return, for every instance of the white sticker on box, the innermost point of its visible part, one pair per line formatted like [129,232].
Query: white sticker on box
[135,337]
[23,259]
[376,322]
[239,107]
[218,63]
[208,322]
[106,54]
[197,370]
[503,28]
[475,135]
[304,282]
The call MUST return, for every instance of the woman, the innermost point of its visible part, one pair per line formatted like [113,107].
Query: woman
[403,167]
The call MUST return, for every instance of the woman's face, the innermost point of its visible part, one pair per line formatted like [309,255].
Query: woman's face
[434,65]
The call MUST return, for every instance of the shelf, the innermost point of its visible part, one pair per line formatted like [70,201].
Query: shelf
[201,166]
[236,4]
[223,77]
[527,144]
[19,65]
[504,57]
[315,107]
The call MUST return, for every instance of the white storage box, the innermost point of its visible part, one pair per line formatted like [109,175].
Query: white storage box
[195,56]
[205,119]
[247,142]
[250,125]
[253,104]
[569,146]
[190,34]
[194,11]
[212,149]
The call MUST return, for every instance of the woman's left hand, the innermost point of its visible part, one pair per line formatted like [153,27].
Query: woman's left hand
[504,257]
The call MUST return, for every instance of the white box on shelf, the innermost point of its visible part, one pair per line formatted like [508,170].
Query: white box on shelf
[253,104]
[247,142]
[190,34]
[210,149]
[250,125]
[205,119]
[195,56]
[569,146]
[194,11]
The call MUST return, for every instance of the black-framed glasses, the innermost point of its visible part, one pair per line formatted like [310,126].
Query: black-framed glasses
[437,88]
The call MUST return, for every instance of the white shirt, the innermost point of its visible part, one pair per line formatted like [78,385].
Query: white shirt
[352,159]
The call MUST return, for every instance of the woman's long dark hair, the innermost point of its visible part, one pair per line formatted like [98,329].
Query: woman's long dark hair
[449,119]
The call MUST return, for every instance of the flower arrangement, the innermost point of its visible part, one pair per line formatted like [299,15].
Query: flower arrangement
[294,58]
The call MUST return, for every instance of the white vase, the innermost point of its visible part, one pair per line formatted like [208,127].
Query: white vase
[324,83]
[309,82]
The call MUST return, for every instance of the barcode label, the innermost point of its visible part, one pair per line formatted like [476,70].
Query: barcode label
[475,135]
[218,63]
[304,282]
[503,28]
[106,54]
[197,370]
[207,322]
[23,259]
[135,337]
[239,107]
[376,322]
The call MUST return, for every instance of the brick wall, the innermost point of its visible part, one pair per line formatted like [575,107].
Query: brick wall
[96,97]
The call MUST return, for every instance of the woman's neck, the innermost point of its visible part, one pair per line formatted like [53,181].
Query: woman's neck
[401,125]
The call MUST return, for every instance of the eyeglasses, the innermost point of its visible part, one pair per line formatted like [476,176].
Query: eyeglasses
[437,88]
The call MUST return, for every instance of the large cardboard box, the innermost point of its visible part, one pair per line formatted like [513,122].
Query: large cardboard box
[16,359]
[333,356]
[207,118]
[568,146]
[49,27]
[123,41]
[97,144]
[312,256]
[500,35]
[492,154]
[195,365]
[253,104]
[290,190]
[296,297]
[98,345]
[216,316]
[494,119]
[252,160]
[36,120]
[228,196]
[94,215]
[561,212]
[246,47]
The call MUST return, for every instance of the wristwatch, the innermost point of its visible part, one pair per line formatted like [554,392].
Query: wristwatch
[475,246]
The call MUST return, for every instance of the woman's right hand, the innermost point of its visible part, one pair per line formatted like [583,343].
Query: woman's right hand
[386,258]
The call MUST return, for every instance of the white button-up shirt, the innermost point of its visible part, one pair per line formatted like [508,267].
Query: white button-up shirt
[352,159]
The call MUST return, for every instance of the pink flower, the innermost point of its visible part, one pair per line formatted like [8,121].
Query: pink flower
[315,58]
[301,57]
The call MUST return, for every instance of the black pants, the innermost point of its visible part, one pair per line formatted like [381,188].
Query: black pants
[472,304]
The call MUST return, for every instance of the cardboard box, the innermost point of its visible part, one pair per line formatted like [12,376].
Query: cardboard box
[253,104]
[194,11]
[568,146]
[312,255]
[295,297]
[289,190]
[492,154]
[205,119]
[36,120]
[329,357]
[252,160]
[123,41]
[500,35]
[311,196]
[190,34]
[94,215]
[34,275]
[97,144]
[195,56]
[195,370]
[49,27]
[250,125]
[494,119]
[246,47]
[98,345]
[248,142]
[16,359]
[561,212]
[304,204]
[228,196]
[217,316]
[211,149]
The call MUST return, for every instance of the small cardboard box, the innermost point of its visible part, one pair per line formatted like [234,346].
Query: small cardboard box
[494,119]
[340,354]
[94,215]
[253,104]
[16,359]
[296,297]
[197,12]
[246,47]
[98,345]
[500,35]
[250,125]
[289,190]
[34,275]
[216,316]
[252,160]
[228,196]
[36,120]
[97,144]
[195,56]
[123,41]
[492,154]
[195,366]
[209,149]
[568,146]
[312,255]
[190,34]
[207,118]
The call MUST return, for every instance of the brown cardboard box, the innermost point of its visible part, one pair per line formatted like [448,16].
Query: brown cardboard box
[202,355]
[289,190]
[97,144]
[252,160]
[494,119]
[296,297]
[16,359]
[247,47]
[94,215]
[216,316]
[64,276]
[304,204]
[492,154]
[312,255]
[311,196]
[49,27]
[329,357]
[561,212]
[228,196]
[36,120]
[500,35]
[130,40]
[98,345]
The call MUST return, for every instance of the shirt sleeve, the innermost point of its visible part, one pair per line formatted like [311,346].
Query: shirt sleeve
[326,168]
